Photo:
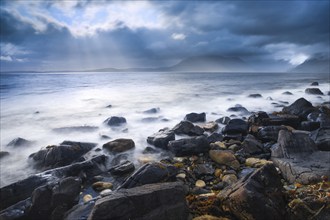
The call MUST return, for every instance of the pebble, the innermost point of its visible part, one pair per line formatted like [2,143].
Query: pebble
[87,198]
[229,179]
[105,192]
[181,176]
[99,186]
[217,172]
[200,183]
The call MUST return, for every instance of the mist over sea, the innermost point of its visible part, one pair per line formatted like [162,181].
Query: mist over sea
[35,105]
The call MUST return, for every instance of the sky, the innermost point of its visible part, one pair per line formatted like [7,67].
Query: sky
[85,34]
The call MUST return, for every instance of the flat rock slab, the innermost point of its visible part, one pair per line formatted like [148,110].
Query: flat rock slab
[305,170]
[160,201]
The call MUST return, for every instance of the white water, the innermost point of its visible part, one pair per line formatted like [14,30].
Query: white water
[65,100]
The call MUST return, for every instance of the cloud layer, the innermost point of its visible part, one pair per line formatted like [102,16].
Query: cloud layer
[84,34]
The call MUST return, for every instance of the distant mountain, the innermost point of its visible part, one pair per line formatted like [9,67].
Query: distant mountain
[313,65]
[193,64]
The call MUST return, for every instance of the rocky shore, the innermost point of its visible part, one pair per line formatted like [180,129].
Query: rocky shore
[269,165]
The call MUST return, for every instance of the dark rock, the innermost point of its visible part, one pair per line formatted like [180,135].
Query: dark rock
[218,186]
[41,203]
[149,202]
[238,109]
[199,191]
[188,128]
[3,154]
[189,146]
[84,128]
[79,211]
[152,111]
[214,137]
[115,121]
[150,150]
[258,118]
[257,196]
[109,106]
[270,133]
[196,117]
[123,168]
[313,115]
[321,137]
[150,173]
[287,93]
[255,96]
[61,155]
[309,125]
[19,142]
[314,84]
[161,138]
[119,145]
[314,91]
[251,146]
[150,119]
[17,211]
[301,107]
[235,126]
[223,120]
[201,170]
[283,119]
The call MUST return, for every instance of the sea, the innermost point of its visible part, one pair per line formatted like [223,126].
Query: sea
[48,108]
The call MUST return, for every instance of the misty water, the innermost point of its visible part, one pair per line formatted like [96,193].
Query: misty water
[34,104]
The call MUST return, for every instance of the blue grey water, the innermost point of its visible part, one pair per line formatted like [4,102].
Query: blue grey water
[34,104]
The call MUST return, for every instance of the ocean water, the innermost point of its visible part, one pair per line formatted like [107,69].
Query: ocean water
[34,104]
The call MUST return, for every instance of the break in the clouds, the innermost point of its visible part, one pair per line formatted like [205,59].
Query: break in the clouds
[84,34]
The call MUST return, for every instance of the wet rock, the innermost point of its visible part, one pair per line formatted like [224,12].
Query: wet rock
[223,120]
[287,93]
[161,138]
[105,192]
[314,84]
[150,119]
[203,170]
[321,137]
[99,186]
[234,127]
[189,146]
[150,150]
[115,121]
[314,91]
[301,107]
[251,146]
[283,119]
[214,137]
[224,157]
[210,126]
[119,145]
[84,128]
[270,133]
[195,117]
[79,211]
[309,125]
[238,109]
[152,111]
[64,154]
[19,142]
[188,128]
[150,173]
[257,196]
[255,96]
[149,202]
[258,118]
[4,154]
[122,168]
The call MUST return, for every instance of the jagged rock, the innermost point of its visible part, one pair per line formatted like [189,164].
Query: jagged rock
[152,111]
[287,93]
[203,170]
[150,173]
[195,117]
[189,146]
[258,118]
[64,154]
[223,120]
[234,127]
[19,142]
[301,107]
[161,138]
[314,91]
[214,137]
[115,121]
[270,133]
[251,146]
[321,137]
[224,157]
[188,128]
[255,96]
[119,145]
[122,168]
[160,201]
[3,154]
[309,125]
[257,196]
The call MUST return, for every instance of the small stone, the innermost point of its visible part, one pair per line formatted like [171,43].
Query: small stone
[87,198]
[146,159]
[181,176]
[217,172]
[99,186]
[219,145]
[210,126]
[224,157]
[229,179]
[234,147]
[105,192]
[255,162]
[200,183]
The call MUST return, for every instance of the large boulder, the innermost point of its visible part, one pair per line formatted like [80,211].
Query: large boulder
[321,137]
[270,133]
[189,146]
[301,107]
[161,138]
[283,119]
[60,155]
[160,201]
[258,118]
[235,128]
[119,145]
[150,173]
[195,117]
[188,128]
[115,121]
[257,196]
[314,91]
